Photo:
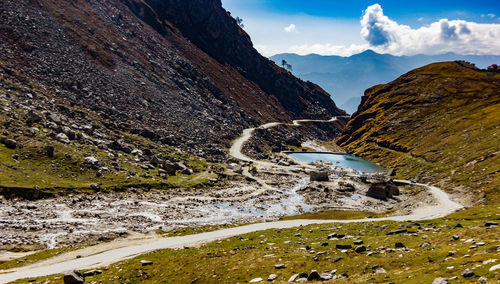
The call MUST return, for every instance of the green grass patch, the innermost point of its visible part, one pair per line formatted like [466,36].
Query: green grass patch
[240,259]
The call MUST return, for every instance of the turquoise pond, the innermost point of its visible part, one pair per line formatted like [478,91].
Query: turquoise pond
[340,160]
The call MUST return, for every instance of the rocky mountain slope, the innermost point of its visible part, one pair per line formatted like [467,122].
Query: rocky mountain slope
[346,78]
[438,124]
[127,81]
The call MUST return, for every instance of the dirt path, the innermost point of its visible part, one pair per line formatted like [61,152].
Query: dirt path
[125,250]
[445,206]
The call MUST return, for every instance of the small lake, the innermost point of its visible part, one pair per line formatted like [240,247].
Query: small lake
[340,160]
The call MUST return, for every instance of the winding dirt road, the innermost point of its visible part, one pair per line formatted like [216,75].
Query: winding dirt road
[443,207]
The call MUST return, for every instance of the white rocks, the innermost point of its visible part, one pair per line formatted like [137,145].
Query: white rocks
[137,152]
[255,280]
[482,279]
[293,278]
[91,161]
[491,260]
[467,273]
[61,137]
[495,267]
[272,277]
[441,280]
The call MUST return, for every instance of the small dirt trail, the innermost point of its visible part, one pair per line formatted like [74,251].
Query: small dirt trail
[236,147]
[443,207]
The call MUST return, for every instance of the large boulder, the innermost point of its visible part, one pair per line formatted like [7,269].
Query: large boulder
[9,143]
[61,137]
[319,175]
[31,117]
[73,277]
[170,168]
[92,161]
[382,190]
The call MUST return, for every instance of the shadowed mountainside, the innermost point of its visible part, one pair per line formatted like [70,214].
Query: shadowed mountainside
[131,83]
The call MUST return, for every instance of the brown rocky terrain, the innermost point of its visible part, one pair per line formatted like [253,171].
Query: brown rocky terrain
[181,73]
[119,93]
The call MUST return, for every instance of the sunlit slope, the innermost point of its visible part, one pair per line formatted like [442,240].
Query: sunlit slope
[439,123]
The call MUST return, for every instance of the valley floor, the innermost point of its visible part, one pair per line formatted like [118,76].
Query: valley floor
[254,196]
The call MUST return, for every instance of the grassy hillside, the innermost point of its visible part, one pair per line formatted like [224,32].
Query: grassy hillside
[434,248]
[27,170]
[439,124]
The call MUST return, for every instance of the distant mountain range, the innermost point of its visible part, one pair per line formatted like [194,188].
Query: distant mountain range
[346,78]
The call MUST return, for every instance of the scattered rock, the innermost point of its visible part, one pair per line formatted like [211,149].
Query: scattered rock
[91,273]
[382,190]
[337,259]
[397,232]
[255,280]
[490,224]
[441,280]
[73,277]
[339,246]
[380,270]
[279,266]
[319,175]
[360,249]
[495,267]
[293,278]
[91,161]
[49,151]
[482,279]
[335,235]
[9,143]
[146,262]
[426,244]
[358,242]
[468,273]
[314,276]
[61,137]
[31,117]
[272,277]
[95,186]
[399,245]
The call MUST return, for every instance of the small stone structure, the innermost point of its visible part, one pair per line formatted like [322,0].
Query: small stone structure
[319,175]
[382,189]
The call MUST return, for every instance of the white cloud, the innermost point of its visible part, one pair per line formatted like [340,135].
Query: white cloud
[264,50]
[328,49]
[490,15]
[387,36]
[291,29]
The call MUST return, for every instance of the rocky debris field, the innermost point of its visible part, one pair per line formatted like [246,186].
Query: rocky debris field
[81,218]
[103,65]
[89,219]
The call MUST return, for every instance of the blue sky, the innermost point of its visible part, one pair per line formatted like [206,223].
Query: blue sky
[335,27]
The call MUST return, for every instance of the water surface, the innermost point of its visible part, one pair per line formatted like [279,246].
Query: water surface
[340,160]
